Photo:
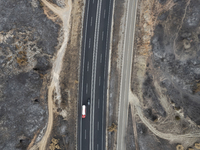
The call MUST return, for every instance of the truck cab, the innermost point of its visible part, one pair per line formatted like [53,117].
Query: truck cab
[83,111]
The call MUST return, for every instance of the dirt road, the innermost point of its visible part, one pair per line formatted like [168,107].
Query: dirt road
[64,15]
[178,138]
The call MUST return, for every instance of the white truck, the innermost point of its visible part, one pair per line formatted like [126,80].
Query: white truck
[83,111]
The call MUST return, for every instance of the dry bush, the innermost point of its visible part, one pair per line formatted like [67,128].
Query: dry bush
[112,128]
[179,147]
[22,58]
[197,145]
[54,144]
[196,87]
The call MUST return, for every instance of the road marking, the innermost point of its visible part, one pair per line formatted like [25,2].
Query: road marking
[88,66]
[85,134]
[102,130]
[102,35]
[104,14]
[98,103]
[99,81]
[120,99]
[97,146]
[93,86]
[127,87]
[91,21]
[93,1]
[83,72]
[86,88]
[101,58]
[89,42]
[98,125]
[123,99]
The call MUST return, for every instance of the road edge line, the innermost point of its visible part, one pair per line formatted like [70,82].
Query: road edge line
[132,63]
[81,96]
[108,73]
[119,109]
[95,48]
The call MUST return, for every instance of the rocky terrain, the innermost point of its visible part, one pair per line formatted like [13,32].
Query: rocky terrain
[166,77]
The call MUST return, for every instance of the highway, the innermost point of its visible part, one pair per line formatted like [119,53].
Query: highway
[126,73]
[93,74]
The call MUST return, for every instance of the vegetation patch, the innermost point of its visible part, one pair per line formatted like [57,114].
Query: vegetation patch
[112,128]
[22,58]
[54,144]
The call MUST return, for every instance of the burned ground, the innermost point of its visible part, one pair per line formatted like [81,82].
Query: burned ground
[148,141]
[166,73]
[175,56]
[27,48]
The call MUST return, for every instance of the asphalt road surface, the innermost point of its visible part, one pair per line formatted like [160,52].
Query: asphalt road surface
[93,74]
[126,73]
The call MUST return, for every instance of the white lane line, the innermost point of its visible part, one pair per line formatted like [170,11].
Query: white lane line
[93,1]
[98,125]
[83,72]
[99,81]
[88,67]
[98,103]
[96,39]
[91,21]
[102,140]
[104,14]
[101,58]
[97,146]
[85,134]
[102,35]
[89,42]
[86,88]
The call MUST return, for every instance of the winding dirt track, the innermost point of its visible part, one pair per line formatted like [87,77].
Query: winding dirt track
[134,102]
[64,15]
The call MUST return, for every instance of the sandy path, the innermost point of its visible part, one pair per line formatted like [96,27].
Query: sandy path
[64,15]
